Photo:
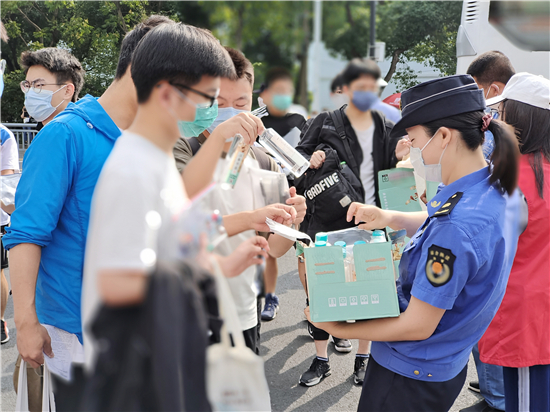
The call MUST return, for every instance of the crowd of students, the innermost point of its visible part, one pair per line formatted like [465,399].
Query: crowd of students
[101,213]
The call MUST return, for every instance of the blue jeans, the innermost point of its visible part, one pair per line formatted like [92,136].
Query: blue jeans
[491,381]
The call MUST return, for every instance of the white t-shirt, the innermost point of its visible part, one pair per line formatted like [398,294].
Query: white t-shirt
[365,138]
[9,159]
[138,183]
[240,199]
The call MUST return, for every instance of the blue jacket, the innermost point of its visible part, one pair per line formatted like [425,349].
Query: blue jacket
[52,205]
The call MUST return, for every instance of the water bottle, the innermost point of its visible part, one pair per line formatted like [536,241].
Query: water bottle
[378,236]
[284,152]
[321,239]
[234,161]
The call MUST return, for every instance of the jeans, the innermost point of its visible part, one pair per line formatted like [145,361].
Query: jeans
[491,381]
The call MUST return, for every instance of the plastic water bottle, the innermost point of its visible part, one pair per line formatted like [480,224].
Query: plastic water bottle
[234,161]
[378,236]
[321,239]
[284,152]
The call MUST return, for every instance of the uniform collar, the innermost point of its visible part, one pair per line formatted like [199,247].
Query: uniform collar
[461,185]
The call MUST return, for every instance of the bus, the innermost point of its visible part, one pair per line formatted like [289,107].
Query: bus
[519,29]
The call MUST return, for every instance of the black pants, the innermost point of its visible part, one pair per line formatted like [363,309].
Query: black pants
[384,390]
[252,335]
[3,252]
[68,395]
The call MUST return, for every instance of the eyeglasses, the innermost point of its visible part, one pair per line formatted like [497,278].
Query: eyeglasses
[36,85]
[212,99]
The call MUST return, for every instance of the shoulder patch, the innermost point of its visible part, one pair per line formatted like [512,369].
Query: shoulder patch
[449,205]
[439,265]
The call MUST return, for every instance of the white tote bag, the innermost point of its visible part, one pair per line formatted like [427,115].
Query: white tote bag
[22,401]
[235,374]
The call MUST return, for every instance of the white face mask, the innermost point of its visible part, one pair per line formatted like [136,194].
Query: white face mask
[224,113]
[427,177]
[339,99]
[39,105]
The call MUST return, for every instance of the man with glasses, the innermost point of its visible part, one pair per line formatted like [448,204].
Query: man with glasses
[54,78]
[47,237]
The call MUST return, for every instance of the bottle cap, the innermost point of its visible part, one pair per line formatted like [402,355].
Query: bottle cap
[321,236]
[360,242]
[320,243]
[340,243]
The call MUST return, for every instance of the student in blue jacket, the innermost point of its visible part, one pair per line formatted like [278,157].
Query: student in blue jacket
[454,271]
[47,237]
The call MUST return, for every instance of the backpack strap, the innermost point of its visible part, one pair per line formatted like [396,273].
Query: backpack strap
[195,145]
[338,120]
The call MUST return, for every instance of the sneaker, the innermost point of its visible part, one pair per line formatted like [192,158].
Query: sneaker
[474,386]
[359,369]
[271,307]
[318,370]
[342,345]
[5,332]
[310,330]
[481,406]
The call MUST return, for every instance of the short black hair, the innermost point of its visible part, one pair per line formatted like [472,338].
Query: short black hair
[277,73]
[132,39]
[60,62]
[491,66]
[336,83]
[360,67]
[243,66]
[178,53]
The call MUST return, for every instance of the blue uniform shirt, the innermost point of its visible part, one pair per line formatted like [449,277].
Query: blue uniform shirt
[52,205]
[456,261]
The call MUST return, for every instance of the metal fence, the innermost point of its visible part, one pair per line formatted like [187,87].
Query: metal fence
[24,134]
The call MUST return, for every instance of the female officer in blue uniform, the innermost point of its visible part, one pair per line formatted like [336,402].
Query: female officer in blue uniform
[453,273]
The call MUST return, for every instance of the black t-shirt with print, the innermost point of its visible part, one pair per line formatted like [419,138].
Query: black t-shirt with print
[283,125]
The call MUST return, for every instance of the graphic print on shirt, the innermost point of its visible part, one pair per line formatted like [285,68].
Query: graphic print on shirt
[439,265]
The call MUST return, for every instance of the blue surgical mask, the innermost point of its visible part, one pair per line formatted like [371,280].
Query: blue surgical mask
[281,101]
[204,117]
[224,113]
[39,105]
[364,101]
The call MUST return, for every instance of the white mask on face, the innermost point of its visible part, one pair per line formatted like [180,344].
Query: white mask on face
[39,105]
[427,176]
[224,113]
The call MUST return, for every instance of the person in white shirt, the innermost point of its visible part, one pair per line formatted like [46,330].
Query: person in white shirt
[140,193]
[9,164]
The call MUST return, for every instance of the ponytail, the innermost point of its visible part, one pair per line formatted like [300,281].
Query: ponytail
[505,156]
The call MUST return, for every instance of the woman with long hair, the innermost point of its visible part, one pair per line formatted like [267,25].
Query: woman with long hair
[453,273]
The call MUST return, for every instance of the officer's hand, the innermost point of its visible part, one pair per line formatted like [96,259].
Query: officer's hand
[424,198]
[245,124]
[299,203]
[371,217]
[317,159]
[249,252]
[403,148]
[33,341]
[283,214]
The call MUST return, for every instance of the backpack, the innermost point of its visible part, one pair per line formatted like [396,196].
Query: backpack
[330,189]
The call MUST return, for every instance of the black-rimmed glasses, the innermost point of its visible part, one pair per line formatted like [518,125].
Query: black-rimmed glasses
[36,85]
[212,99]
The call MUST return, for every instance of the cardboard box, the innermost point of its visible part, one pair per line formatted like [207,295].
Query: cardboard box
[372,295]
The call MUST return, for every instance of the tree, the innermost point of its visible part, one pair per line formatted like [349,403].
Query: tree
[420,31]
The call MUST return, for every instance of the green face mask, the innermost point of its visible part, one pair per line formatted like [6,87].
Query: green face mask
[203,119]
[281,101]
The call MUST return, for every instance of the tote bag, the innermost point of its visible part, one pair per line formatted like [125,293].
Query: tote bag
[22,401]
[235,374]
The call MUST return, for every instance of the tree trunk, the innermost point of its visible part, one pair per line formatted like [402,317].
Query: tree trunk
[393,66]
[121,17]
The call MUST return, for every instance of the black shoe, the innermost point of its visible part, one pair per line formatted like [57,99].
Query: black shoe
[342,345]
[5,332]
[310,330]
[474,386]
[360,369]
[481,406]
[317,371]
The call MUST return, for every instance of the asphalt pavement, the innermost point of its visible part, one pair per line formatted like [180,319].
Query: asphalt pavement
[287,351]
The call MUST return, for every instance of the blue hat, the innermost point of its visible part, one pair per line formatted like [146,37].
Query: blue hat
[438,99]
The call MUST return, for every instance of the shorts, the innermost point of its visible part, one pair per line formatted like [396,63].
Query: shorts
[4,252]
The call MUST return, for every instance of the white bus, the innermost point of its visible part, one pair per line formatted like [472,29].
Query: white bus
[519,29]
